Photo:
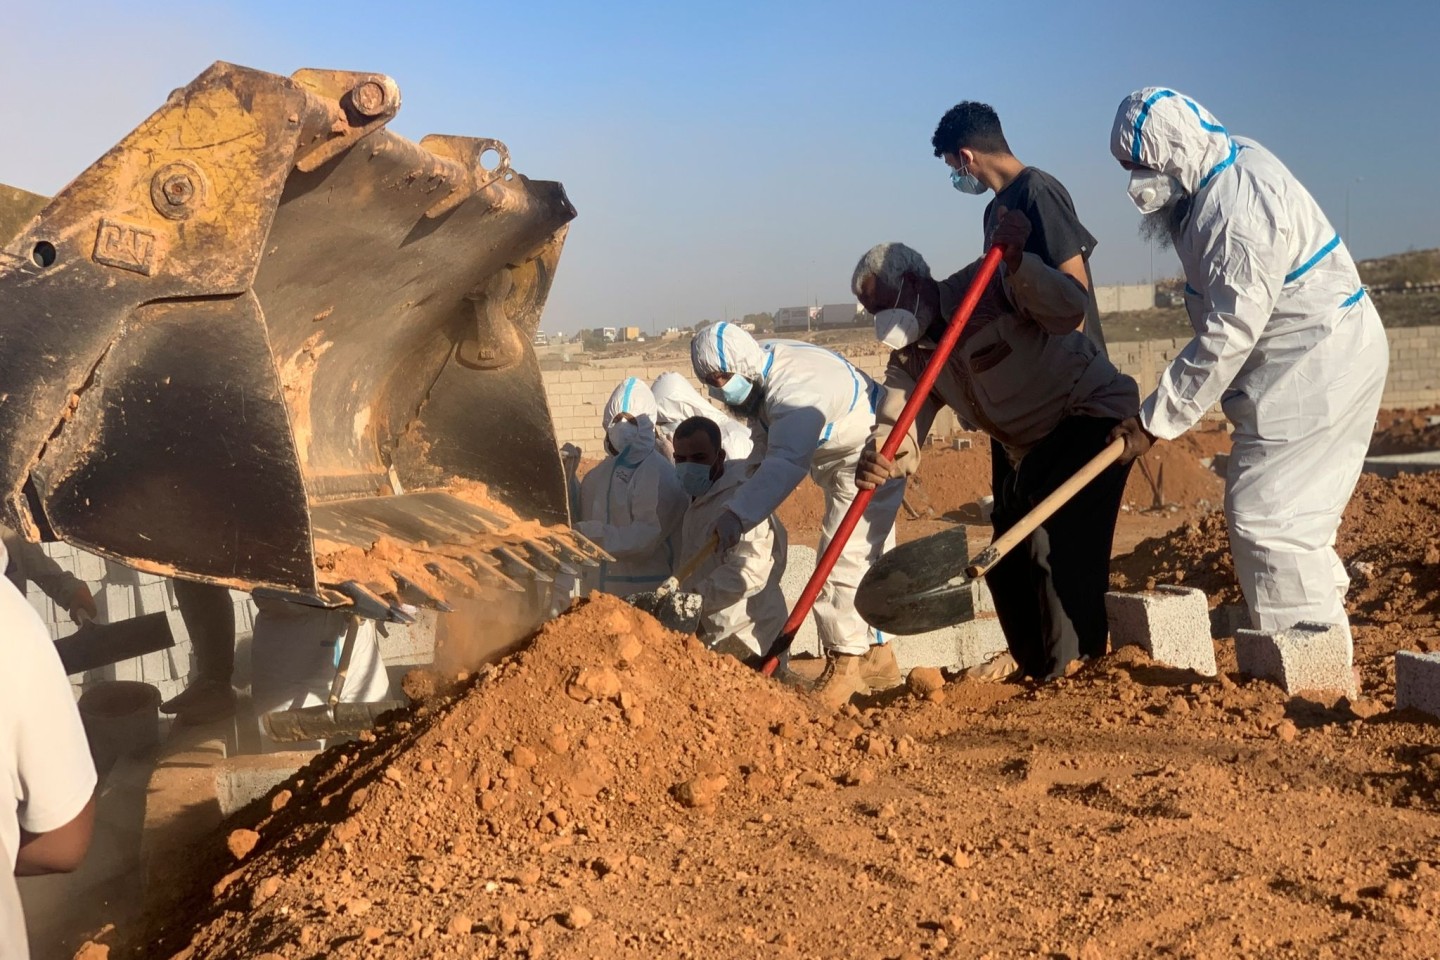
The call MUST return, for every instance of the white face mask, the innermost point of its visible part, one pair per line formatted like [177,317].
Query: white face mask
[621,434]
[1150,189]
[897,327]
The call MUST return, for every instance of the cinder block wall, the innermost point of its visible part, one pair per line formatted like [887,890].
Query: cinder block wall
[577,397]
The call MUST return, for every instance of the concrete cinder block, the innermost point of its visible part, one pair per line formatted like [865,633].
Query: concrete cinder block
[1172,624]
[1228,619]
[1417,682]
[1308,656]
[153,597]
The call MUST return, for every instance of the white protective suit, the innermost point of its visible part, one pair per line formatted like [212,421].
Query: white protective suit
[743,608]
[1286,339]
[294,652]
[678,401]
[815,416]
[632,504]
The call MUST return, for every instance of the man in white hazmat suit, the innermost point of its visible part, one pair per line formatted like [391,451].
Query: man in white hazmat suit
[676,400]
[631,504]
[812,412]
[743,609]
[1286,339]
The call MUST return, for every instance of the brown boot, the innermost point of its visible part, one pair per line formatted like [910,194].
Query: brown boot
[841,680]
[878,668]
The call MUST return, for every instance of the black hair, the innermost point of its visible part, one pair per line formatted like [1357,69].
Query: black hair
[969,125]
[694,425]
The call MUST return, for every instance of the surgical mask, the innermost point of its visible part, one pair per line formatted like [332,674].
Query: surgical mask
[735,392]
[967,182]
[694,477]
[621,434]
[897,327]
[1150,189]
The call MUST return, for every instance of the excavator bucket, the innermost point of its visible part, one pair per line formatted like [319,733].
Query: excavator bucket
[266,343]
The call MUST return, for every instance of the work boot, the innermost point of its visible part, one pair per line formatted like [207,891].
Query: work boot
[878,668]
[841,680]
[998,668]
[202,702]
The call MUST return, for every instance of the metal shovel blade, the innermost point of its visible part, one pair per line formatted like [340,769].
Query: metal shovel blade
[318,723]
[100,644]
[919,586]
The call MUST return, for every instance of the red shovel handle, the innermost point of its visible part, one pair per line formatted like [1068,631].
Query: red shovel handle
[958,319]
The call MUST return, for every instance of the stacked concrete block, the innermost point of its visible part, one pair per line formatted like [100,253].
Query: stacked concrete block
[1417,682]
[1308,656]
[1171,624]
[955,648]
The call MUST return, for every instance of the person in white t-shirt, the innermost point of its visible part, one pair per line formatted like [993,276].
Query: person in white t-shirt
[47,779]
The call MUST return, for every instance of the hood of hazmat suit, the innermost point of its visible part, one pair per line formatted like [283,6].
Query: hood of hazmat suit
[1286,340]
[743,609]
[678,401]
[632,503]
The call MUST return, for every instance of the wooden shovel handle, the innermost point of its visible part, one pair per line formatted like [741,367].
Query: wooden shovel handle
[693,564]
[992,554]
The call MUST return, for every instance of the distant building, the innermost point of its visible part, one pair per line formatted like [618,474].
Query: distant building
[791,319]
[630,333]
[840,315]
[1118,297]
[610,334]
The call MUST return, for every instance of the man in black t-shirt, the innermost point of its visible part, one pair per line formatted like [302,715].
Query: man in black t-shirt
[970,141]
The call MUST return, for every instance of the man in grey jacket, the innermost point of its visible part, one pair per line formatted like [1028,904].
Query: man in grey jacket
[28,562]
[1023,374]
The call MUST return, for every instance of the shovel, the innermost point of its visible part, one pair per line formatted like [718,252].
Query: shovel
[100,644]
[780,651]
[666,603]
[334,719]
[912,588]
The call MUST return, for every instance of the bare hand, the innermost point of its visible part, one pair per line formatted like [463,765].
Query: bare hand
[1137,441]
[1012,229]
[874,469]
[82,604]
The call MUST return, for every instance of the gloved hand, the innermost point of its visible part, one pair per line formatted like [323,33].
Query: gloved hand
[1137,440]
[874,469]
[1012,229]
[592,530]
[570,455]
[727,531]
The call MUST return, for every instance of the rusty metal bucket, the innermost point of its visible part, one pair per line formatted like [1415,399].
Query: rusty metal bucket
[266,343]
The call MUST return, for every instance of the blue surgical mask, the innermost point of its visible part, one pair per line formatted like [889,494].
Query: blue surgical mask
[966,182]
[694,477]
[735,392]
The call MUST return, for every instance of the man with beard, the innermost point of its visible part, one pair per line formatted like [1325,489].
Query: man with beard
[812,412]
[1286,340]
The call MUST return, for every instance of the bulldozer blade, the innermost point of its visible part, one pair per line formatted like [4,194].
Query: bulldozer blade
[484,569]
[263,331]
[919,586]
[515,567]
[542,555]
[571,554]
[320,723]
[426,598]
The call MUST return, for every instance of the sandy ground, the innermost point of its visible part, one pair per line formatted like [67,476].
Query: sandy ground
[615,790]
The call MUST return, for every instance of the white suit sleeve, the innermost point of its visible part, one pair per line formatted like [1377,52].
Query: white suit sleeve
[727,584]
[790,447]
[1245,262]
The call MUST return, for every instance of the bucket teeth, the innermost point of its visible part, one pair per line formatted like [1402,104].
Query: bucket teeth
[570,554]
[590,547]
[492,571]
[366,603]
[543,555]
[512,564]
[428,599]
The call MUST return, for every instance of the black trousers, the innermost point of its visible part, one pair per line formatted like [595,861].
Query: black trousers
[1050,590]
[209,617]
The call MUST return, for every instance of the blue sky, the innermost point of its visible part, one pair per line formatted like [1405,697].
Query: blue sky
[728,158]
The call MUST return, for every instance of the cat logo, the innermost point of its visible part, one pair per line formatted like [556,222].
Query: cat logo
[125,246]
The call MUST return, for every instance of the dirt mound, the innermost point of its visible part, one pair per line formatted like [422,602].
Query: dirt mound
[1180,474]
[585,748]
[1389,541]
[1406,431]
